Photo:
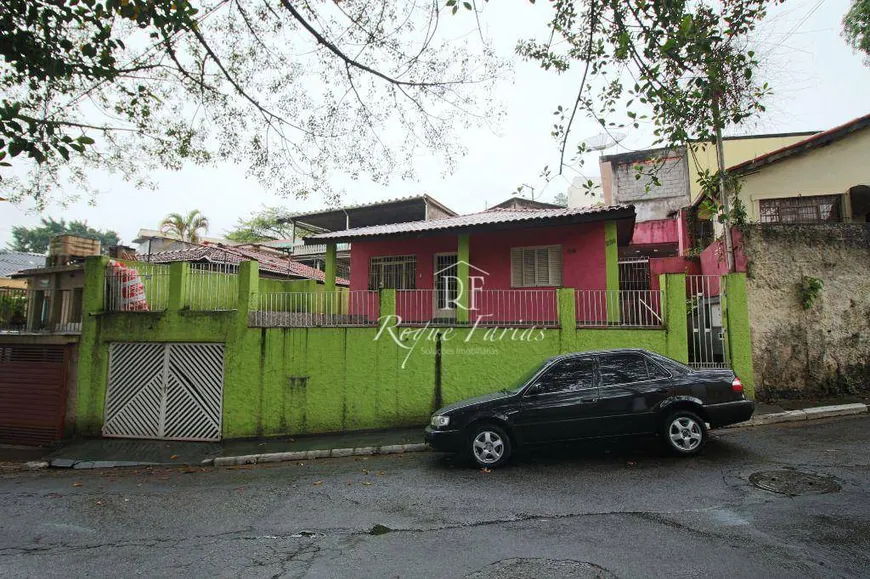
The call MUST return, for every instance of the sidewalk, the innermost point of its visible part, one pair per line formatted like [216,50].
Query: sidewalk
[108,453]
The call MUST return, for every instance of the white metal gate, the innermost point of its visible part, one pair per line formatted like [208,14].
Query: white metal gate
[165,391]
[708,344]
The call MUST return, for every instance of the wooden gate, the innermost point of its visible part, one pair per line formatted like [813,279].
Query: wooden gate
[32,393]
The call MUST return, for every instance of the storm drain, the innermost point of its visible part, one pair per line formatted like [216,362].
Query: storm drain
[793,482]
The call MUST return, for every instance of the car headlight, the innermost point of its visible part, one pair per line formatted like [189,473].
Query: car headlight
[438,421]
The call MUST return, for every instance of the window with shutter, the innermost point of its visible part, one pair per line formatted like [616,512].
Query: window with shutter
[536,266]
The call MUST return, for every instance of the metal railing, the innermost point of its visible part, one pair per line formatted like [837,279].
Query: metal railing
[707,336]
[498,307]
[53,311]
[213,287]
[316,309]
[627,308]
[136,286]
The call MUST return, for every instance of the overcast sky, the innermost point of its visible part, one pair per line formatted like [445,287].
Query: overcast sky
[818,83]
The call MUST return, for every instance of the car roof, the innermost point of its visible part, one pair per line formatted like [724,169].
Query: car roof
[597,352]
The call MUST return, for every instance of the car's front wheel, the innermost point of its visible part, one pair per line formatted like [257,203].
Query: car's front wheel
[489,445]
[684,433]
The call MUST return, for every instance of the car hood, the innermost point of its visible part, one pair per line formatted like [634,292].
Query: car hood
[476,401]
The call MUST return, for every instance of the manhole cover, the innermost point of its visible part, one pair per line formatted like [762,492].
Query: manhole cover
[793,482]
[551,568]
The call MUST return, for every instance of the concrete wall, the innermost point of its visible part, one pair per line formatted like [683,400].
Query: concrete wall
[307,380]
[824,349]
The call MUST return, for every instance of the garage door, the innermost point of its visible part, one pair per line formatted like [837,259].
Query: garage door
[165,391]
[32,393]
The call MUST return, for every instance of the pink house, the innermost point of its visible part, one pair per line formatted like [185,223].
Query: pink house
[500,265]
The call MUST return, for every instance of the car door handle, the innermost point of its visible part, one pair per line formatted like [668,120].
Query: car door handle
[588,399]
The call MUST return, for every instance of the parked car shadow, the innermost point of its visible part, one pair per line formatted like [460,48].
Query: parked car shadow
[602,452]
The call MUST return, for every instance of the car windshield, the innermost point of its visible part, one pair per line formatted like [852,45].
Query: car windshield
[524,379]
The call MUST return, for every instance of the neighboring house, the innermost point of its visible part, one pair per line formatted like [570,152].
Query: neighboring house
[415,208]
[273,265]
[678,171]
[153,240]
[506,250]
[579,195]
[15,261]
[517,202]
[823,178]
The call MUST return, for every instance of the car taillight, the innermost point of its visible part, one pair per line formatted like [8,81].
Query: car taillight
[736,385]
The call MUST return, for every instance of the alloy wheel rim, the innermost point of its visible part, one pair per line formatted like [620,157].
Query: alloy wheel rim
[488,447]
[685,434]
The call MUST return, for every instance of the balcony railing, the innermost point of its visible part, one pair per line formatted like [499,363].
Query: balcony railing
[316,309]
[135,286]
[213,287]
[49,311]
[500,307]
[628,308]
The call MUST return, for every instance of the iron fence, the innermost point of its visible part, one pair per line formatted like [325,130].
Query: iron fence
[213,287]
[704,308]
[628,308]
[24,311]
[316,309]
[497,307]
[136,286]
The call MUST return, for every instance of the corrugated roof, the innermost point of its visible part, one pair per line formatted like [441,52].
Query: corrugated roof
[476,220]
[15,261]
[424,197]
[269,262]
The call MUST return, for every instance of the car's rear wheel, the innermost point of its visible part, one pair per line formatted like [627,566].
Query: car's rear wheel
[684,433]
[489,445]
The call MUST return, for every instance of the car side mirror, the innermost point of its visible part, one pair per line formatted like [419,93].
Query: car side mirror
[534,390]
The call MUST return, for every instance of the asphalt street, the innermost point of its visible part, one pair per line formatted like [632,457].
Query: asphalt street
[619,510]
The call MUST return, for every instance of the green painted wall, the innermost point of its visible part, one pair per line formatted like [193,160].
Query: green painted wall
[310,380]
[611,257]
[736,316]
[674,308]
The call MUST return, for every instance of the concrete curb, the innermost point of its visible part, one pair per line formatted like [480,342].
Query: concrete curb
[314,454]
[805,414]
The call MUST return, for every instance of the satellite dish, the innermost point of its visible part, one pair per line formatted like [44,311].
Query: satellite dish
[603,141]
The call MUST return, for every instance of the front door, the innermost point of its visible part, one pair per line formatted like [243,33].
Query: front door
[561,404]
[446,286]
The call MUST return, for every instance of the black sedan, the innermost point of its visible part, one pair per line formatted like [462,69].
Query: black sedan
[593,395]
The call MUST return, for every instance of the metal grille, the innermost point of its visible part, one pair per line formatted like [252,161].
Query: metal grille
[446,282]
[815,209]
[307,309]
[165,391]
[633,308]
[154,278]
[42,311]
[213,287]
[634,274]
[396,272]
[707,336]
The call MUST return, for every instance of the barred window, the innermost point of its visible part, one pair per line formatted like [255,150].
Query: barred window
[393,272]
[815,209]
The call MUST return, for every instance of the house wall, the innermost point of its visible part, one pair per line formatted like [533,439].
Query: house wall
[828,170]
[284,381]
[823,350]
[583,256]
[651,201]
[656,231]
[736,150]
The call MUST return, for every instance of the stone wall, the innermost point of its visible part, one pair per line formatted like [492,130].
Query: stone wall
[822,350]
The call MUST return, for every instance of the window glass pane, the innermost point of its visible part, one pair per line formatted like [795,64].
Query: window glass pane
[655,371]
[396,272]
[813,209]
[567,376]
[622,369]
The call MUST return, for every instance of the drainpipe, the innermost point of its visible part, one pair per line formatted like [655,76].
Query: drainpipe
[346,219]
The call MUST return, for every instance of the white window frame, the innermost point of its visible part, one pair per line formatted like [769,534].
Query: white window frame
[520,277]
